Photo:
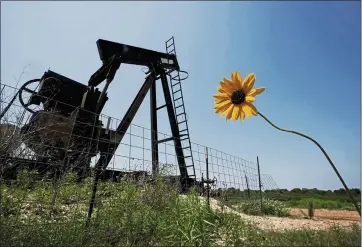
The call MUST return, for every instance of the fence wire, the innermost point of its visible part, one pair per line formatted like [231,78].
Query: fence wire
[50,140]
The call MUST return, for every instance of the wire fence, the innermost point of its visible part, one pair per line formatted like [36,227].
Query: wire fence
[38,149]
[49,131]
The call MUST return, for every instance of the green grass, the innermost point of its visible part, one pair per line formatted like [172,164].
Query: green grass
[130,215]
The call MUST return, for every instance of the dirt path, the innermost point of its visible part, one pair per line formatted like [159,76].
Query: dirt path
[327,214]
[280,224]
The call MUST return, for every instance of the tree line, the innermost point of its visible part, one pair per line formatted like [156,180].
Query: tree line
[293,194]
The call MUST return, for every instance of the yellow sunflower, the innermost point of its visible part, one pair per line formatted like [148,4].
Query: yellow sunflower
[236,96]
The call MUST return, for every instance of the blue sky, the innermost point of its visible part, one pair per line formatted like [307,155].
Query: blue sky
[307,55]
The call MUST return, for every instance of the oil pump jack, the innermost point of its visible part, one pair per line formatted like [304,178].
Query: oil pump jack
[76,107]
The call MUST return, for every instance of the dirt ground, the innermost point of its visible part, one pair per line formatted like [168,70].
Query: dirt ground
[324,219]
[327,214]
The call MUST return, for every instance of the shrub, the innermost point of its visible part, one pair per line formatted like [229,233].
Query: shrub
[270,207]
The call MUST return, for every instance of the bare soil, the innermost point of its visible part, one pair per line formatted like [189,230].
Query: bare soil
[324,219]
[327,214]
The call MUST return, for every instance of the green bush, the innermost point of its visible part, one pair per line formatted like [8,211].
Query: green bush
[269,207]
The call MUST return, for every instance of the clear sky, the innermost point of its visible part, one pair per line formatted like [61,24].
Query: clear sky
[307,55]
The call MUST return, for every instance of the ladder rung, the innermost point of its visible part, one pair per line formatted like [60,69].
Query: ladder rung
[178,106]
[188,167]
[169,39]
[168,46]
[178,98]
[176,84]
[165,140]
[183,130]
[186,147]
[177,91]
[189,156]
[160,107]
[171,51]
[174,78]
[180,114]
[184,139]
[182,122]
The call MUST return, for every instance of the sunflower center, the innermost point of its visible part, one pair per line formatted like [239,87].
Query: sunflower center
[237,97]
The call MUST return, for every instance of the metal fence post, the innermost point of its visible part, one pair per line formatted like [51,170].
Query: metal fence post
[261,195]
[207,177]
[247,186]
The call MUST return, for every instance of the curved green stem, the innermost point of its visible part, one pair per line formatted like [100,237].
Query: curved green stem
[325,154]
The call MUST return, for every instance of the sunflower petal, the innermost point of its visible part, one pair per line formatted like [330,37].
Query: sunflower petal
[229,112]
[221,108]
[217,102]
[220,89]
[248,83]
[233,77]
[249,99]
[227,87]
[254,92]
[236,112]
[242,114]
[222,96]
[249,109]
[227,80]
[228,109]
[237,79]
[221,104]
[254,110]
[231,85]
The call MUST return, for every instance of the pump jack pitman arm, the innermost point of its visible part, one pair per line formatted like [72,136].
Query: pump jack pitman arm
[107,71]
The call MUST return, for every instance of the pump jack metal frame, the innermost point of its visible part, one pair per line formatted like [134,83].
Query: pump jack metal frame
[160,65]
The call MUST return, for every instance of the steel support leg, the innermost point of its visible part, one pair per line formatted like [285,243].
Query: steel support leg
[174,128]
[154,134]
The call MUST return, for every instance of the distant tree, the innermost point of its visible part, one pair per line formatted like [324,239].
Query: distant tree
[305,190]
[322,192]
[340,191]
[296,190]
[315,191]
[356,191]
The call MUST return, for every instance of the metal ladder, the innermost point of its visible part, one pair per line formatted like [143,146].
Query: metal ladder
[180,112]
